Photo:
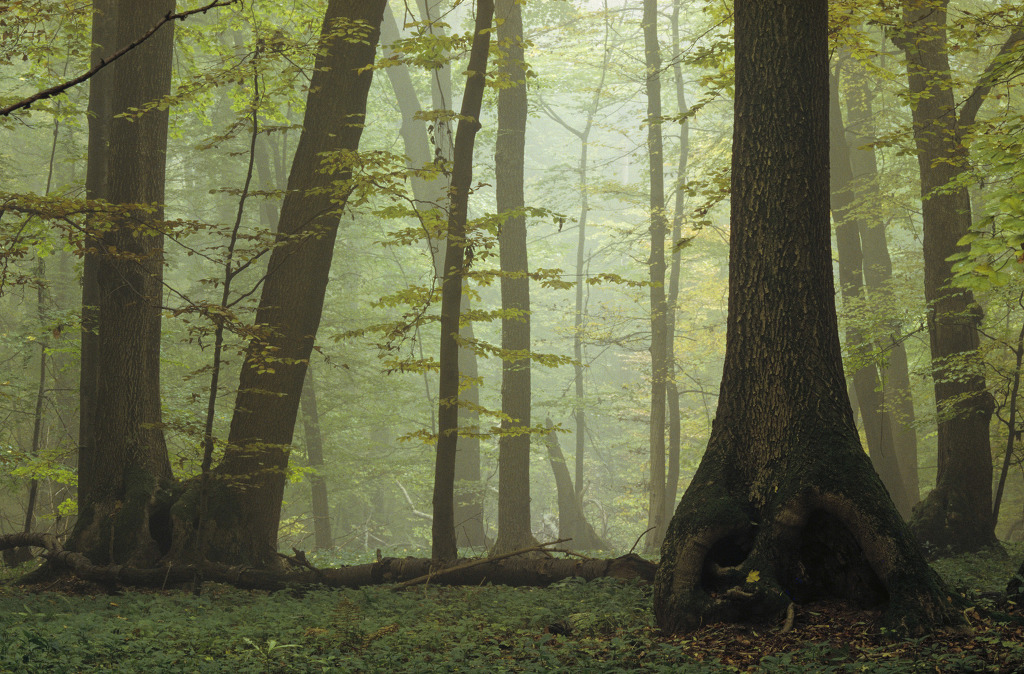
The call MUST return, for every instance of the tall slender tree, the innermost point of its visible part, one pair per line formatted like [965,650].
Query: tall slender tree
[443,537]
[657,517]
[509,157]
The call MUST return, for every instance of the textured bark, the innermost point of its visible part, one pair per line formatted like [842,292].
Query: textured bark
[104,27]
[877,424]
[443,538]
[248,485]
[572,521]
[315,454]
[657,512]
[877,268]
[785,505]
[128,457]
[509,156]
[957,514]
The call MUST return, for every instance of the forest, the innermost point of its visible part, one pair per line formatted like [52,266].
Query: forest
[511,335]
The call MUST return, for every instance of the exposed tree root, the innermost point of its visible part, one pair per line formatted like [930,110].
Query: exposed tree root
[509,570]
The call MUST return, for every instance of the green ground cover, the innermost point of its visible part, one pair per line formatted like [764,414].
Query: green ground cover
[573,626]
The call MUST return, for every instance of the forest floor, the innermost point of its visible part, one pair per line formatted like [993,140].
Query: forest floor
[573,626]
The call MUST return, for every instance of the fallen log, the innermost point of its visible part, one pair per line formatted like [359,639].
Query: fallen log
[516,571]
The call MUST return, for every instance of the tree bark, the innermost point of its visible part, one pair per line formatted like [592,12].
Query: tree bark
[785,505]
[248,485]
[657,513]
[509,157]
[443,538]
[128,458]
[957,515]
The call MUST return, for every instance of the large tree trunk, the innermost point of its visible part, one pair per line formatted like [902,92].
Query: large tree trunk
[785,505]
[129,457]
[957,515]
[657,514]
[248,485]
[443,539]
[509,156]
[875,418]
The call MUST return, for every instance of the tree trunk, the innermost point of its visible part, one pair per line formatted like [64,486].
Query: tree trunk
[443,539]
[877,267]
[572,521]
[118,519]
[104,40]
[248,485]
[315,453]
[671,389]
[785,505]
[957,515]
[657,514]
[874,417]
[432,201]
[509,156]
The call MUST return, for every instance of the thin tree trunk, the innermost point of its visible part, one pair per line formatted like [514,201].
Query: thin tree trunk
[877,267]
[443,538]
[874,417]
[509,157]
[671,389]
[657,509]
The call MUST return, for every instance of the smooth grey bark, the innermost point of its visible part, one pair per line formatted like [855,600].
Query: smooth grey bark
[572,522]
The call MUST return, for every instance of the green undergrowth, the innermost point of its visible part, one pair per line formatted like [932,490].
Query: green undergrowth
[573,626]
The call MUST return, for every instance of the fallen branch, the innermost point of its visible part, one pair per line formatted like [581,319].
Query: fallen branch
[501,570]
[103,63]
[476,562]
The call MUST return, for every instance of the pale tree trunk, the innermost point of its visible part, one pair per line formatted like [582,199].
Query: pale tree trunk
[657,519]
[443,537]
[248,485]
[877,266]
[572,522]
[671,389]
[875,418]
[957,515]
[432,201]
[509,156]
[128,457]
[785,506]
[315,454]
